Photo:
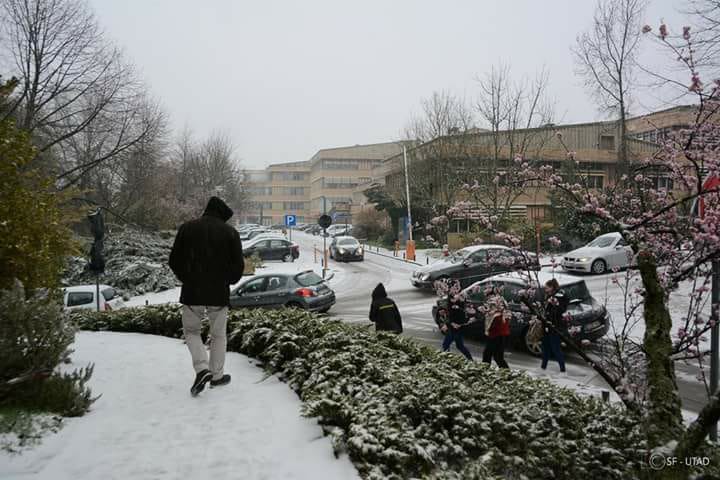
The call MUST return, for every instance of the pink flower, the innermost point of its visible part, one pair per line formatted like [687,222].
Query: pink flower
[686,33]
[663,31]
[696,84]
[646,29]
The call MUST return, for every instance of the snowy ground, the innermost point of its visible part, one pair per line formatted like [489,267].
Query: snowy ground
[147,426]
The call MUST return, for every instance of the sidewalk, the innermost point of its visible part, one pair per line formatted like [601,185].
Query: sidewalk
[147,426]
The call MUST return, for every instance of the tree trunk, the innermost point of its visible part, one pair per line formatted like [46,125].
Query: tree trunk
[663,420]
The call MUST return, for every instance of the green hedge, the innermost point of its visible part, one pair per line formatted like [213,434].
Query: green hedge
[404,410]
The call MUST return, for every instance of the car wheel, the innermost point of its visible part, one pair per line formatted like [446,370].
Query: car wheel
[288,257]
[534,348]
[598,267]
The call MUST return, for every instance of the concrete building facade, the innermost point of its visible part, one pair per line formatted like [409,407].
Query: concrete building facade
[327,180]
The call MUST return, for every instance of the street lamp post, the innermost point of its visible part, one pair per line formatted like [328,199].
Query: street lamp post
[410,244]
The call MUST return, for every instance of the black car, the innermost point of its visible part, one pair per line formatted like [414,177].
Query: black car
[305,290]
[472,264]
[344,249]
[273,249]
[589,320]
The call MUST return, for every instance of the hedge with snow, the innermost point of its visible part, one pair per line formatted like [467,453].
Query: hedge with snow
[404,410]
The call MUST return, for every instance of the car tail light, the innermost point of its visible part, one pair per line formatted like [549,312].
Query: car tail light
[306,292]
[295,248]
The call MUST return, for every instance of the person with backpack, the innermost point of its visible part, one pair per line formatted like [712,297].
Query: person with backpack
[497,329]
[384,312]
[452,320]
[556,305]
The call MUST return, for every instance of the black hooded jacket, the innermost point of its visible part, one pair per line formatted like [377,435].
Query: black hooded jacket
[207,257]
[383,311]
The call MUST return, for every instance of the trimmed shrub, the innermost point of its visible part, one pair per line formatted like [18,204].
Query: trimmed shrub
[404,410]
[35,335]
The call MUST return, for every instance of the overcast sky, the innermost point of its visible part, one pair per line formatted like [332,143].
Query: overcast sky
[285,79]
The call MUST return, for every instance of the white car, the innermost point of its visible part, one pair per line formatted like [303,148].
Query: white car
[83,297]
[604,253]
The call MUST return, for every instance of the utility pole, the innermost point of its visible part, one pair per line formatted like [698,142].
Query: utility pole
[714,337]
[409,244]
[324,239]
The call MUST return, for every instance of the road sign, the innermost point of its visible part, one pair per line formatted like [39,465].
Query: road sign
[325,221]
[290,220]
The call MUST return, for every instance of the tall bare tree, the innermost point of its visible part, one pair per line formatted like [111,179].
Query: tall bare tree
[606,55]
[518,116]
[436,173]
[72,82]
[705,15]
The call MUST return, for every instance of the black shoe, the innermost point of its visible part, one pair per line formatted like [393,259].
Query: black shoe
[224,380]
[201,379]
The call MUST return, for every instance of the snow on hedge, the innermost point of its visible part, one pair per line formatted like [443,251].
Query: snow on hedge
[137,263]
[403,410]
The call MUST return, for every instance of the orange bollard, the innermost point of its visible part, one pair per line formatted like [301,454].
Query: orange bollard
[410,250]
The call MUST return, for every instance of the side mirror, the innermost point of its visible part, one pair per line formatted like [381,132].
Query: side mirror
[467,263]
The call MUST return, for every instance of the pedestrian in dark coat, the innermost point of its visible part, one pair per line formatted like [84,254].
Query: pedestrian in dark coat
[207,258]
[383,312]
[497,329]
[556,305]
[452,320]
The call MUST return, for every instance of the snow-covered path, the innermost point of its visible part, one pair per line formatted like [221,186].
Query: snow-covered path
[147,426]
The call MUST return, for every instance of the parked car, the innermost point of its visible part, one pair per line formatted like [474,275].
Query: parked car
[272,249]
[338,229]
[471,264]
[342,232]
[602,254]
[83,297]
[250,234]
[344,249]
[588,318]
[305,290]
[314,229]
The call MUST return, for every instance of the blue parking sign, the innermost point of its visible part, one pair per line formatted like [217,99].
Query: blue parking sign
[290,220]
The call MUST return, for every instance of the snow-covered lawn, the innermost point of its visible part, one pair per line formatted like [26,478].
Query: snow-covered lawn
[147,426]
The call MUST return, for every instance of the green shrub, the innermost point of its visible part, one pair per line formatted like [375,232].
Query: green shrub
[35,335]
[404,410]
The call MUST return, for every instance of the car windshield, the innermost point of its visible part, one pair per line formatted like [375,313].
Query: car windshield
[348,242]
[601,242]
[307,279]
[461,254]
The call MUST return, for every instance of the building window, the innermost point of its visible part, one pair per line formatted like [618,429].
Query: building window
[340,164]
[663,183]
[288,206]
[339,182]
[258,191]
[595,181]
[289,176]
[607,142]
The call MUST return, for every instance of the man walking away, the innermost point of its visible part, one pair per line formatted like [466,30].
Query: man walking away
[207,258]
[383,312]
[556,305]
[497,329]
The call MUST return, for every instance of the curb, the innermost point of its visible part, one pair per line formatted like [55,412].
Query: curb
[395,258]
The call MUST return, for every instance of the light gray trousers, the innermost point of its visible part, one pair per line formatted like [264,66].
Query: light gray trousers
[192,326]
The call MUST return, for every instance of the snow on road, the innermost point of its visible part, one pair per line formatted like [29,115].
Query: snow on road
[147,426]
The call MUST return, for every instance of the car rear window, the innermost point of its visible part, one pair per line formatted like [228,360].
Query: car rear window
[348,241]
[576,291]
[308,278]
[79,298]
[108,293]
